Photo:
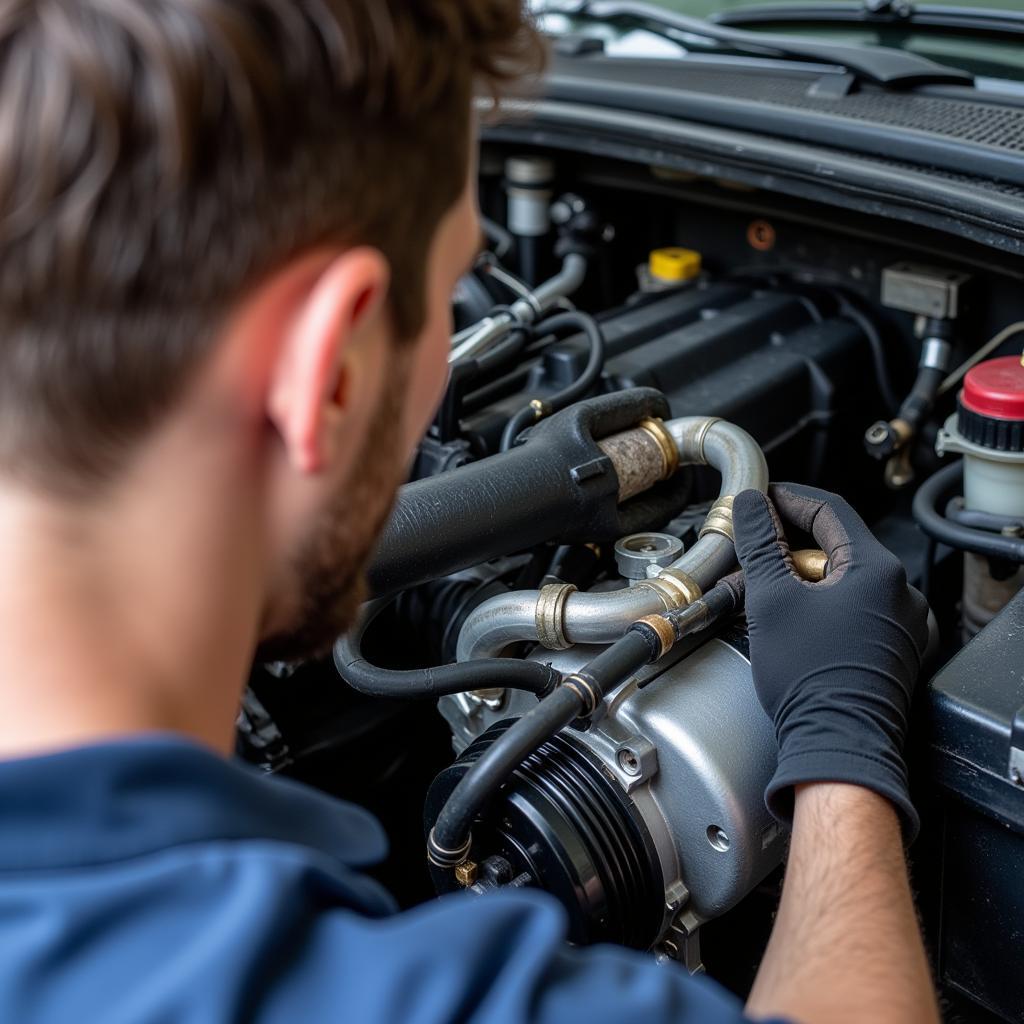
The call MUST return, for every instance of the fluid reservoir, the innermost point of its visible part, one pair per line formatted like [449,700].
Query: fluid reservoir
[988,429]
[529,181]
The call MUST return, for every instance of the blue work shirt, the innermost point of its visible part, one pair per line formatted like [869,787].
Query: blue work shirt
[150,880]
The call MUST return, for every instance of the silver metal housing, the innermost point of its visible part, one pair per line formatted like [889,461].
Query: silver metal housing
[695,751]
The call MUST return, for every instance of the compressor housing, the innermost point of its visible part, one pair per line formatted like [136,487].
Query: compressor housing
[649,820]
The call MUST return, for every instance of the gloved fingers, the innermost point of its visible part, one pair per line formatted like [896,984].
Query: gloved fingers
[761,544]
[828,518]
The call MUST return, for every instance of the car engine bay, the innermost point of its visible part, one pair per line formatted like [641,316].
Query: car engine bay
[635,346]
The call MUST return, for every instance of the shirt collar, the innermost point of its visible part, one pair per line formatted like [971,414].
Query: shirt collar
[127,798]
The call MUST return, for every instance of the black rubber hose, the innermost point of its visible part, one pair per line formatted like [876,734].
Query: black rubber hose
[579,694]
[934,490]
[579,388]
[918,404]
[502,240]
[450,837]
[722,600]
[976,520]
[496,673]
[878,355]
[519,421]
[590,329]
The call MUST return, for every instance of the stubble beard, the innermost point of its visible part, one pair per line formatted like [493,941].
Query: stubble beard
[331,568]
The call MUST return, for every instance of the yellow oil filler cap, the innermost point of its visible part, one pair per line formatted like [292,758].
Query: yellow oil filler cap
[674,264]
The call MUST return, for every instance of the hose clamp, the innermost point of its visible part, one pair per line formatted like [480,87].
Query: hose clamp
[702,436]
[719,519]
[662,629]
[656,429]
[442,857]
[935,353]
[585,690]
[550,616]
[675,588]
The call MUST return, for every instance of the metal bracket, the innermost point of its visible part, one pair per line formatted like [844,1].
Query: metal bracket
[636,762]
[682,942]
[1016,767]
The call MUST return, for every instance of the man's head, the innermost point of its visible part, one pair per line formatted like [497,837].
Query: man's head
[249,214]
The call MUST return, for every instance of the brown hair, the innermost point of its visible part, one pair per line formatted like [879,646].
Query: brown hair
[158,158]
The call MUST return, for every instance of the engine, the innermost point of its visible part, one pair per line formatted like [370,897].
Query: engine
[557,589]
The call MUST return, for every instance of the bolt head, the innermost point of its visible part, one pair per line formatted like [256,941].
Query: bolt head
[629,761]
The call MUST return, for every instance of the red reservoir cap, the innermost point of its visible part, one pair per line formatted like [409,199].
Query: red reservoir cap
[996,389]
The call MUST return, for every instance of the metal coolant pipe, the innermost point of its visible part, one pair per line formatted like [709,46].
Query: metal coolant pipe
[526,310]
[559,617]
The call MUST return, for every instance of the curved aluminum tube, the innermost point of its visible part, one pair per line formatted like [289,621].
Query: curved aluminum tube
[570,276]
[604,617]
[528,309]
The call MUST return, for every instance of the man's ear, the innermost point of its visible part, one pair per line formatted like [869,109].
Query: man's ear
[320,376]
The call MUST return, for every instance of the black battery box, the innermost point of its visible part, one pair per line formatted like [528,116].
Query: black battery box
[976,706]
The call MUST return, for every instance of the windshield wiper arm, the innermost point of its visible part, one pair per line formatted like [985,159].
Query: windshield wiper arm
[879,14]
[882,65]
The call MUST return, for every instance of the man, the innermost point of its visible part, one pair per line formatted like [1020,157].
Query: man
[229,230]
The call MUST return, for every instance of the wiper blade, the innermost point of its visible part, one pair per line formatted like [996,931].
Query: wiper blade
[880,14]
[878,64]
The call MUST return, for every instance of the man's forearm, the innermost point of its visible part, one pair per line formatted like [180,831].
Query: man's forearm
[846,944]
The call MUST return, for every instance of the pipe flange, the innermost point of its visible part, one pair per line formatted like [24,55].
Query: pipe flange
[719,519]
[657,430]
[585,690]
[550,616]
[675,588]
[702,437]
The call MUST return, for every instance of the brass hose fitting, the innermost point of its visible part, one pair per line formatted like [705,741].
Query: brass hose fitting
[810,564]
[663,630]
[551,616]
[674,587]
[669,449]
[719,519]
[586,691]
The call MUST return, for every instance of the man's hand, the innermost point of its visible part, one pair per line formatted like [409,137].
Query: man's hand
[834,662]
[834,665]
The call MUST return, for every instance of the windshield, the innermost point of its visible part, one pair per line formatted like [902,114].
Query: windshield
[956,33]
[706,7]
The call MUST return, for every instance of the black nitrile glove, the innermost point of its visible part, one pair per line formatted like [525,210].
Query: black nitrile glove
[834,662]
